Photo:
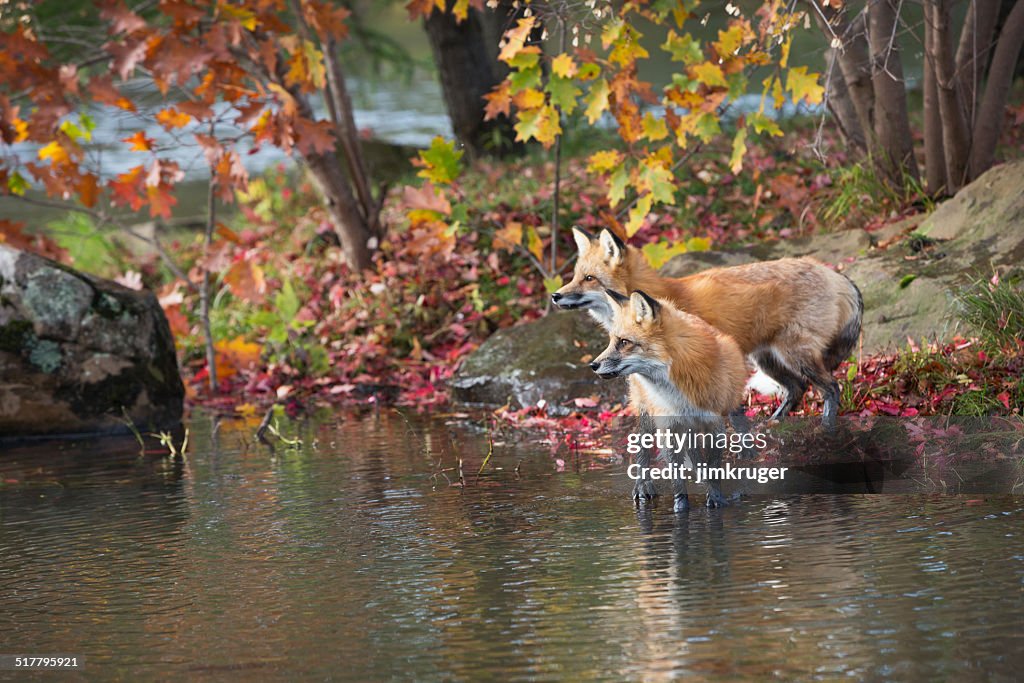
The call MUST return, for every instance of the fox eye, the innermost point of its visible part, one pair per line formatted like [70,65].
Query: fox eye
[589,278]
[623,344]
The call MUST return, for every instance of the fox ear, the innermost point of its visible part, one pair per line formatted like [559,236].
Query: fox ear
[582,239]
[644,307]
[612,246]
[618,299]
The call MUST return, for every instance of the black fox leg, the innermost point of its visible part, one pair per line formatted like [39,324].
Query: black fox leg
[644,489]
[713,458]
[829,388]
[790,381]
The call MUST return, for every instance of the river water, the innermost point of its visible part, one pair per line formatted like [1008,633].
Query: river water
[350,557]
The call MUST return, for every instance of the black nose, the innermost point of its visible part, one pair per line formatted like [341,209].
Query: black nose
[556,297]
[595,365]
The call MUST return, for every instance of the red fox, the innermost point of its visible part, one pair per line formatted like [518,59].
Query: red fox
[797,319]
[679,367]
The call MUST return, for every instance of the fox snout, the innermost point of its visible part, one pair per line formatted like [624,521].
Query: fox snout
[605,369]
[567,301]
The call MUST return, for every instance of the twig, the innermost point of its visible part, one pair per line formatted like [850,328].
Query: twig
[204,292]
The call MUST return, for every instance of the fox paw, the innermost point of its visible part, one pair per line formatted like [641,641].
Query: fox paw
[644,490]
[716,500]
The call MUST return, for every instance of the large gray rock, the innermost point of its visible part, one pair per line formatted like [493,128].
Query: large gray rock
[545,359]
[78,354]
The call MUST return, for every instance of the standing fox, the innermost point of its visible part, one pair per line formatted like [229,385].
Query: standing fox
[796,318]
[679,367]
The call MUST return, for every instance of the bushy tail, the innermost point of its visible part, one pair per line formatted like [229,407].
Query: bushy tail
[842,344]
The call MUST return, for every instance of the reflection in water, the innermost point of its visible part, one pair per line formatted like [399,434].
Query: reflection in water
[348,558]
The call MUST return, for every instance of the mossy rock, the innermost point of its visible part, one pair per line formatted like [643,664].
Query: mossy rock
[78,354]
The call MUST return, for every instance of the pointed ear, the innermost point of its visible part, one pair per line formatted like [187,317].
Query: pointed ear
[614,248]
[616,298]
[582,239]
[645,309]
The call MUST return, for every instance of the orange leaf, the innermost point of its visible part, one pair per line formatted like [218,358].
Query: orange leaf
[171,118]
[139,142]
[88,190]
[234,355]
[509,237]
[498,101]
[515,39]
[245,280]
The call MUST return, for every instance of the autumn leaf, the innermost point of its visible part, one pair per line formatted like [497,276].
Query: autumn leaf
[563,93]
[563,66]
[529,99]
[426,198]
[603,161]
[55,153]
[509,237]
[499,101]
[729,41]
[161,200]
[597,100]
[139,142]
[515,39]
[659,253]
[88,190]
[245,280]
[552,284]
[171,118]
[683,48]
[804,86]
[654,128]
[739,148]
[763,124]
[709,74]
[232,356]
[541,124]
[638,213]
[657,180]
[441,161]
[534,243]
[306,67]
[243,16]
[423,8]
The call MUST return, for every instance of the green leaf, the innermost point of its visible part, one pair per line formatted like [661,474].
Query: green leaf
[709,74]
[617,185]
[597,100]
[287,302]
[739,149]
[563,93]
[552,284]
[658,253]
[524,78]
[707,127]
[441,161]
[698,244]
[764,124]
[16,184]
[654,128]
[638,213]
[683,48]
[657,180]
[525,59]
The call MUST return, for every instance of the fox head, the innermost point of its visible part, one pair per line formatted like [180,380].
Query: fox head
[636,344]
[600,265]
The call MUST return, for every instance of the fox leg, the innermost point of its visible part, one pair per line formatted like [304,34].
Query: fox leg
[794,385]
[829,388]
[644,489]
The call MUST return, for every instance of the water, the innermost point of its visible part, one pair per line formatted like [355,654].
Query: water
[352,559]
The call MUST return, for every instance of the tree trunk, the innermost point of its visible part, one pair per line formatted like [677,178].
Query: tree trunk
[934,156]
[893,151]
[466,57]
[854,74]
[353,232]
[992,111]
[841,105]
[972,54]
[939,56]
